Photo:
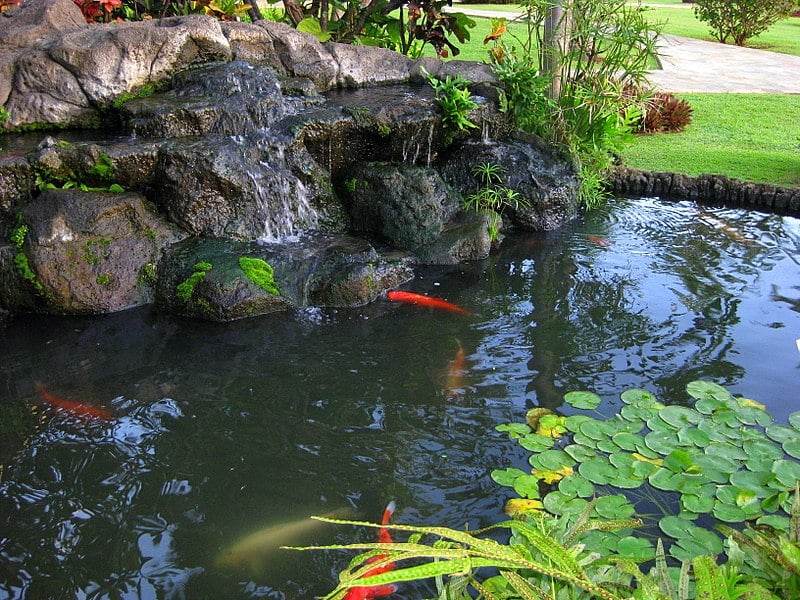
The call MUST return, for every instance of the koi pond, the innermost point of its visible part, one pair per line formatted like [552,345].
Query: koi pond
[220,431]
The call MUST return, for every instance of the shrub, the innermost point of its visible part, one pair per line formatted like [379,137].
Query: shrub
[664,113]
[741,20]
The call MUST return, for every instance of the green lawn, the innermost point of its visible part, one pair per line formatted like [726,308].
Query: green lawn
[753,137]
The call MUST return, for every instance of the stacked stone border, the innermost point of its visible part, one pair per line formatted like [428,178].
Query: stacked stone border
[720,189]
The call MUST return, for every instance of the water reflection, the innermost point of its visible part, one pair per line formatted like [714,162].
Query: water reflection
[222,429]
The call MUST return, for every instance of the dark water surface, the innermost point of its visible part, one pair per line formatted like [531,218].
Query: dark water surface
[222,430]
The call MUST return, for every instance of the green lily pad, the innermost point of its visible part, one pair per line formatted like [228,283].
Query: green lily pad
[697,504]
[715,432]
[759,465]
[594,429]
[678,416]
[726,450]
[792,448]
[707,406]
[583,440]
[794,420]
[725,416]
[515,430]
[694,436]
[551,460]
[573,422]
[662,442]
[596,471]
[787,472]
[775,521]
[676,527]
[635,413]
[614,507]
[664,479]
[699,542]
[707,389]
[580,453]
[773,502]
[607,446]
[583,400]
[641,448]
[625,440]
[762,448]
[636,549]
[558,503]
[641,398]
[642,469]
[622,460]
[713,462]
[750,415]
[680,461]
[576,485]
[754,481]
[730,513]
[535,442]
[507,476]
[527,486]
[782,433]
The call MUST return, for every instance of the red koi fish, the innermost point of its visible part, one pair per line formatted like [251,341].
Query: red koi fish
[599,240]
[410,297]
[84,411]
[376,591]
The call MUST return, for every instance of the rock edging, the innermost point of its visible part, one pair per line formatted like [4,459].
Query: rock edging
[707,187]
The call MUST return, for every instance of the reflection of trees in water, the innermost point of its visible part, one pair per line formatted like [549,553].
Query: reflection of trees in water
[663,311]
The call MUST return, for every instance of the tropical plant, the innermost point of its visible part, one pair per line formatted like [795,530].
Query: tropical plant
[455,101]
[664,113]
[740,20]
[492,197]
[572,91]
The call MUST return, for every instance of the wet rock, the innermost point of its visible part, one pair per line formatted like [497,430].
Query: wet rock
[545,179]
[88,252]
[464,238]
[204,278]
[17,179]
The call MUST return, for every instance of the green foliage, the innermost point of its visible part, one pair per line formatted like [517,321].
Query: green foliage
[492,197]
[25,270]
[260,272]
[455,101]
[186,288]
[740,20]
[18,235]
[103,279]
[3,114]
[102,170]
[143,92]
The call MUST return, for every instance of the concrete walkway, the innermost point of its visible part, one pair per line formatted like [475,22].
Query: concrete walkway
[691,65]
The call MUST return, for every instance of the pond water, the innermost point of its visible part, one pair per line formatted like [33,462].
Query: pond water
[221,430]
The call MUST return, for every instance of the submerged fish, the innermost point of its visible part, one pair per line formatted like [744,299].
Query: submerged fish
[422,300]
[376,591]
[455,374]
[599,240]
[78,409]
[253,550]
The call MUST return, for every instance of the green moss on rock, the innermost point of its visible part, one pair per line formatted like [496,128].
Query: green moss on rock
[260,272]
[186,289]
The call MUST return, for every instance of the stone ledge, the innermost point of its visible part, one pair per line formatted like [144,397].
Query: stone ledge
[709,188]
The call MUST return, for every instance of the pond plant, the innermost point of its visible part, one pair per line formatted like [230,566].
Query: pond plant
[492,197]
[675,502]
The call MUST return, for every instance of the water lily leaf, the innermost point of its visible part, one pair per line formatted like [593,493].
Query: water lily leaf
[534,415]
[607,446]
[527,486]
[644,452]
[750,415]
[730,513]
[594,430]
[558,503]
[762,448]
[551,426]
[775,521]
[662,442]
[725,416]
[694,436]
[664,479]
[707,406]
[680,461]
[759,465]
[601,473]
[626,440]
[676,527]
[507,476]
[715,431]
[707,389]
[745,497]
[522,506]
[782,433]
[551,460]
[636,549]
[713,462]
[536,442]
[773,502]
[573,422]
[794,420]
[726,450]
[640,398]
[678,416]
[787,472]
[699,542]
[614,507]
[622,460]
[576,485]
[582,399]
[749,480]
[635,413]
[696,503]
[580,453]
[515,430]
[551,477]
[643,470]
[792,448]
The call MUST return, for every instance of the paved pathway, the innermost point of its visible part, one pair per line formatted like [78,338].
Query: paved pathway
[690,65]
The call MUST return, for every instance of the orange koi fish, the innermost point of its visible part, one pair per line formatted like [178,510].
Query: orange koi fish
[599,240]
[78,409]
[430,301]
[376,591]
[455,374]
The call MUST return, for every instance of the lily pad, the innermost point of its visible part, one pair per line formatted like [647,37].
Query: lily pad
[787,472]
[636,549]
[614,507]
[625,440]
[664,479]
[576,486]
[507,476]
[694,436]
[762,448]
[792,448]
[749,480]
[679,461]
[725,416]
[527,486]
[678,416]
[582,399]
[662,442]
[726,450]
[782,433]
[514,430]
[794,420]
[775,521]
[730,513]
[583,440]
[699,542]
[580,453]
[551,460]
[601,473]
[697,504]
[641,398]
[707,389]
[558,503]
[676,527]
[594,429]
[573,422]
[636,413]
[707,406]
[750,415]
[535,442]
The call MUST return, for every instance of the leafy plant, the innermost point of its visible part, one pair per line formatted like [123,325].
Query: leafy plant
[491,197]
[455,101]
[3,114]
[664,113]
[740,20]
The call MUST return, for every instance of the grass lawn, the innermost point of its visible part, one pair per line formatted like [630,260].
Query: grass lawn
[752,137]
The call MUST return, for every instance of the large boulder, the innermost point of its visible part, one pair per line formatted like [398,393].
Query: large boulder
[86,252]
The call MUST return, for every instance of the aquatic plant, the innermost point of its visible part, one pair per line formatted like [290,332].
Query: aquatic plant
[260,272]
[492,198]
[186,288]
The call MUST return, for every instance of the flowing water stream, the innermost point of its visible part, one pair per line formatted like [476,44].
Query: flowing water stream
[221,430]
